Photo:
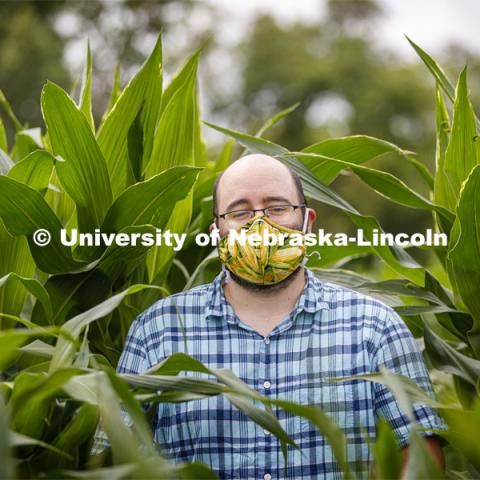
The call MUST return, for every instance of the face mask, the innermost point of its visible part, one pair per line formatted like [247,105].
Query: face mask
[263,264]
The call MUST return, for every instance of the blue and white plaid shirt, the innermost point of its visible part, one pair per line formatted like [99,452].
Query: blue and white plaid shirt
[332,332]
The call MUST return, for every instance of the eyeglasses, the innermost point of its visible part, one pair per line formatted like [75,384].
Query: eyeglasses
[276,213]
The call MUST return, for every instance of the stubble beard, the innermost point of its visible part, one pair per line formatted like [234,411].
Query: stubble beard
[266,288]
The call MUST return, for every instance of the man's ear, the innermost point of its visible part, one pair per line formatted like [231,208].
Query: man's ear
[312,215]
[212,227]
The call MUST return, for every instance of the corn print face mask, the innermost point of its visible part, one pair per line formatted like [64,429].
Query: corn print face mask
[258,262]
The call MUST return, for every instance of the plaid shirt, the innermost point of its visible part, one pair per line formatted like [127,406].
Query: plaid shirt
[332,332]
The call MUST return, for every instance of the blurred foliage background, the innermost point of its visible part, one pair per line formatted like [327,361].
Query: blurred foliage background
[347,82]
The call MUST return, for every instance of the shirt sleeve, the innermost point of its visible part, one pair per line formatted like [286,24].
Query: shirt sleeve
[398,352]
[133,360]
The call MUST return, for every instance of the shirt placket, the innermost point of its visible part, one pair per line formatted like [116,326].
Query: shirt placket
[266,386]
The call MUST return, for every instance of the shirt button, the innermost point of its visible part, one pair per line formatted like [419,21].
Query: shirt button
[266,340]
[267,476]
[266,432]
[267,384]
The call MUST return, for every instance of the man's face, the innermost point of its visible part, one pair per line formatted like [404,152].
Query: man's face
[258,182]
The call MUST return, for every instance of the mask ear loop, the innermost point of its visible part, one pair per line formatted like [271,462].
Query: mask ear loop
[315,252]
[305,221]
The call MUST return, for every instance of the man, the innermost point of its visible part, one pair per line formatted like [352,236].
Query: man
[282,331]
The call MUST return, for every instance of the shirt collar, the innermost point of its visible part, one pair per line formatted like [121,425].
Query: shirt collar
[312,298]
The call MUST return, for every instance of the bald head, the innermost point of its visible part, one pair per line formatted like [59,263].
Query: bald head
[253,180]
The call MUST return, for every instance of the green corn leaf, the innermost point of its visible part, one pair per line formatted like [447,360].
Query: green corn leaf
[150,112]
[39,348]
[81,168]
[60,202]
[175,143]
[7,464]
[464,425]
[444,192]
[119,261]
[385,184]
[113,133]
[10,340]
[276,118]
[23,211]
[27,141]
[114,94]
[463,254]
[3,137]
[356,149]
[19,440]
[140,426]
[16,257]
[435,69]
[462,153]
[34,170]
[150,201]
[179,79]
[124,447]
[9,112]
[85,105]
[334,435]
[387,453]
[30,400]
[119,472]
[74,436]
[6,163]
[65,350]
[34,287]
[446,358]
[71,294]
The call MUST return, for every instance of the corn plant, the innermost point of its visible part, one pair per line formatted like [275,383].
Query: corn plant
[65,311]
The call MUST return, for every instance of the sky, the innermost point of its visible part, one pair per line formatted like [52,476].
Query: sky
[430,23]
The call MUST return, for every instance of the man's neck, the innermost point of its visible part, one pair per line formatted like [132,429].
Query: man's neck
[263,310]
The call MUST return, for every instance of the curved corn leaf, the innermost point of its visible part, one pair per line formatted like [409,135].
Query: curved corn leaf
[27,141]
[462,153]
[23,211]
[383,183]
[6,163]
[150,201]
[444,357]
[82,169]
[10,340]
[7,464]
[354,149]
[435,69]
[85,104]
[276,118]
[34,287]
[144,90]
[176,143]
[16,258]
[443,193]
[463,258]
[9,112]
[64,349]
[3,137]
[34,170]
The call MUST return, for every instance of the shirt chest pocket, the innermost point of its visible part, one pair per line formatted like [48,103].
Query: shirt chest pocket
[336,399]
[207,431]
